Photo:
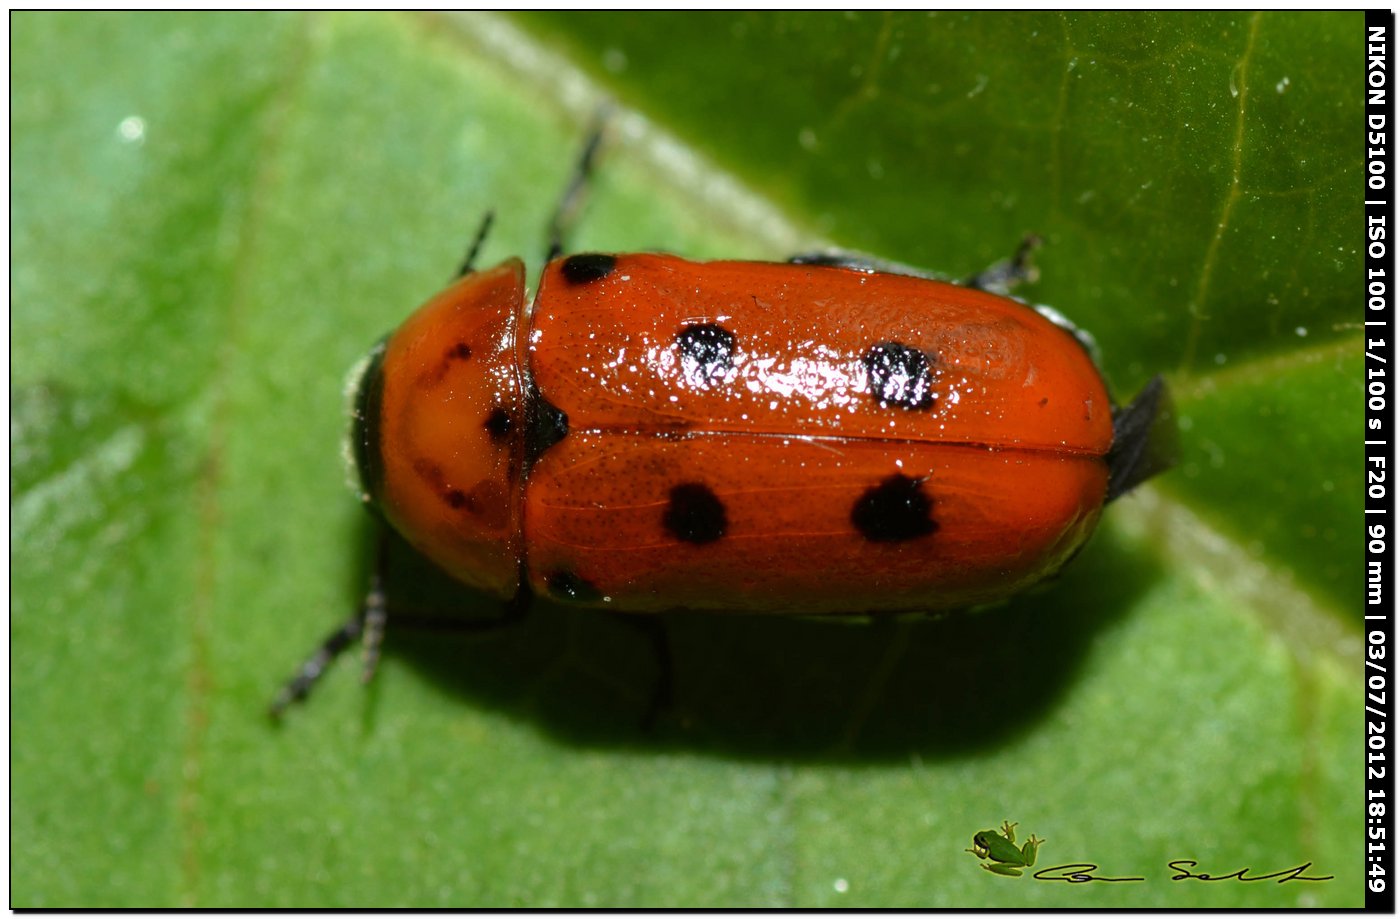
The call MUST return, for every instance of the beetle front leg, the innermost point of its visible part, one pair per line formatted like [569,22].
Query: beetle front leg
[368,623]
[311,671]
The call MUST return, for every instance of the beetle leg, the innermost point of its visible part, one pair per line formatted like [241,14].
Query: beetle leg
[663,691]
[518,605]
[1144,439]
[653,629]
[310,672]
[859,261]
[567,209]
[374,612]
[367,622]
[998,279]
[512,611]
[369,625]
[1004,275]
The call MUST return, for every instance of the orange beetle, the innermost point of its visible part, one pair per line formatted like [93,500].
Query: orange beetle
[821,436]
[791,438]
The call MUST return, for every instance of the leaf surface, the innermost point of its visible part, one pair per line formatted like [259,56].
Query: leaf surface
[215,215]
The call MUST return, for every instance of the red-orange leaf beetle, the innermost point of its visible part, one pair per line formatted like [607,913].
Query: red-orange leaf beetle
[812,437]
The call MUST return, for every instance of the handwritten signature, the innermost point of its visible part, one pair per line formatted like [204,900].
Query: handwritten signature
[1083,873]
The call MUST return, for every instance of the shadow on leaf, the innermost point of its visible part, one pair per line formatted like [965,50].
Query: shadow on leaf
[774,687]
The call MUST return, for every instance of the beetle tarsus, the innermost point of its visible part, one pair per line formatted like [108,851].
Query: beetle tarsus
[307,675]
[1005,275]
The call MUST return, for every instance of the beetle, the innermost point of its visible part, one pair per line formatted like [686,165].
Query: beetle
[822,436]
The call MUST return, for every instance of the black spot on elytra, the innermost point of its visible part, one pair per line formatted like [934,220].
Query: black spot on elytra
[459,352]
[707,351]
[455,498]
[565,585]
[548,425]
[695,515]
[584,269]
[498,424]
[900,375]
[896,510]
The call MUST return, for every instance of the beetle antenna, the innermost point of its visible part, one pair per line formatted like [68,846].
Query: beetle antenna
[469,263]
[572,198]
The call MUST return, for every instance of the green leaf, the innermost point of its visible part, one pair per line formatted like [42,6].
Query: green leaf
[214,215]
